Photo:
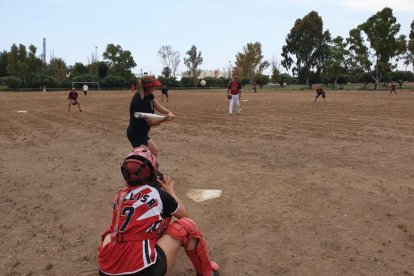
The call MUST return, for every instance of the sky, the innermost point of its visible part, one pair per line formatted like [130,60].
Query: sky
[76,29]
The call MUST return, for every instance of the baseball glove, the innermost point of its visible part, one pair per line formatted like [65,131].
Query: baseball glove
[228,96]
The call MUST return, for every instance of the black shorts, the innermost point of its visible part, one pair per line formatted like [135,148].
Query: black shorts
[137,138]
[157,269]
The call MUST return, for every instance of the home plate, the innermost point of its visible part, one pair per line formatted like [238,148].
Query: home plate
[199,195]
[245,100]
[22,111]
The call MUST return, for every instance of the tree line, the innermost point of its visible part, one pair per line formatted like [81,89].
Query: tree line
[370,54]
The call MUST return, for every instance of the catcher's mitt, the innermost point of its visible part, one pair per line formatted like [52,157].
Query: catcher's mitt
[228,96]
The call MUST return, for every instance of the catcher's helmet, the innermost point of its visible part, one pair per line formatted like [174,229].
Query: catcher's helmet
[139,167]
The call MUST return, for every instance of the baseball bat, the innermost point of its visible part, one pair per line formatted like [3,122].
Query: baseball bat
[142,115]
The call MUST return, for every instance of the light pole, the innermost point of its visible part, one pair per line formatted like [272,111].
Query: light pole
[229,69]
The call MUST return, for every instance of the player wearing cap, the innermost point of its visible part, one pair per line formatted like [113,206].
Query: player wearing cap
[73,99]
[141,240]
[144,101]
[234,94]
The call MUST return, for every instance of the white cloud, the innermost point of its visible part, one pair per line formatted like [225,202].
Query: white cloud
[377,5]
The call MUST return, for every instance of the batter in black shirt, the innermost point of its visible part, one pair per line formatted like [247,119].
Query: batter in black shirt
[144,101]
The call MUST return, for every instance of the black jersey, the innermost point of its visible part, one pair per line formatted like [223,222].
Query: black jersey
[144,105]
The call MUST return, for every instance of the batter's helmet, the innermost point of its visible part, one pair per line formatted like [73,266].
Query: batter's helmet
[139,167]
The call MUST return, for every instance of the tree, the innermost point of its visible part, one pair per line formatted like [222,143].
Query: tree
[113,81]
[401,76]
[17,62]
[10,81]
[306,46]
[336,62]
[120,62]
[342,80]
[410,47]
[365,79]
[57,68]
[166,72]
[187,81]
[262,80]
[275,78]
[169,82]
[380,31]
[3,64]
[35,64]
[249,63]
[170,58]
[193,61]
[78,69]
[42,79]
[103,69]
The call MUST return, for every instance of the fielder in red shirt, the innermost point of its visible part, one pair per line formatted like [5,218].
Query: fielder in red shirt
[319,92]
[234,94]
[393,89]
[141,240]
[73,99]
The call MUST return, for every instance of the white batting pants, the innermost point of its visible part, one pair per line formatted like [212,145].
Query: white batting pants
[234,99]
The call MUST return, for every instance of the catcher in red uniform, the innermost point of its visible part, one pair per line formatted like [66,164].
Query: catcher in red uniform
[141,240]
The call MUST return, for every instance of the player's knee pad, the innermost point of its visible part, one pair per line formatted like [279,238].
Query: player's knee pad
[185,230]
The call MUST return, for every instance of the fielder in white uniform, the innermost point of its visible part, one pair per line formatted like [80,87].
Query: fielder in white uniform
[85,89]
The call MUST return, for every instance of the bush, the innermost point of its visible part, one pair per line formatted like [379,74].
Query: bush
[12,82]
[4,88]
[113,81]
[86,78]
[49,81]
[169,82]
[187,82]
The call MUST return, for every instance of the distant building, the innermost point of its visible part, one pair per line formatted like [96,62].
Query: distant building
[209,73]
[213,73]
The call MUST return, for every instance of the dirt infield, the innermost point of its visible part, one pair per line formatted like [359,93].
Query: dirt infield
[308,188]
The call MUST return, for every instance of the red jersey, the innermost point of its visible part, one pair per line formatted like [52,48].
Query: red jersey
[319,90]
[235,87]
[142,211]
[73,95]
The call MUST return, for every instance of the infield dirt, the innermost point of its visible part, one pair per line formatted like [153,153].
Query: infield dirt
[308,188]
